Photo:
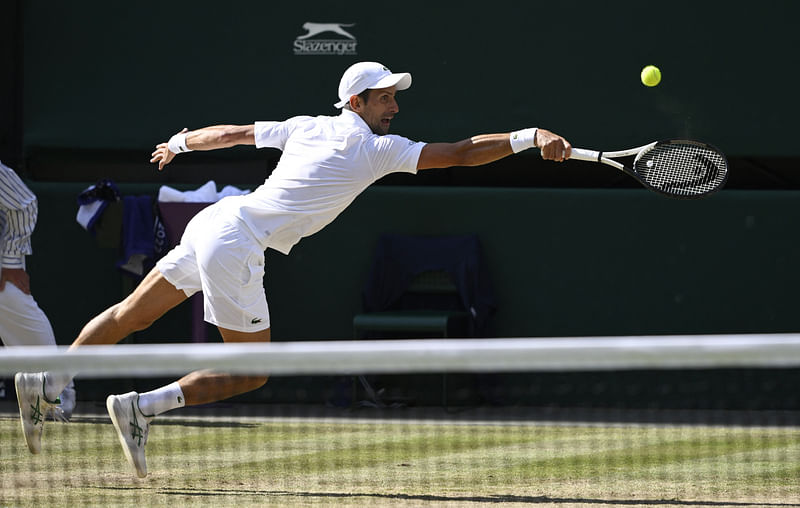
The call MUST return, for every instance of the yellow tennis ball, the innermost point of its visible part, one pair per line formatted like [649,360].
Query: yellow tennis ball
[651,75]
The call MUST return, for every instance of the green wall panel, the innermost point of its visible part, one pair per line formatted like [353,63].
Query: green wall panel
[125,76]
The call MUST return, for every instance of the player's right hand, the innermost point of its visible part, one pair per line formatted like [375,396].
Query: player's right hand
[553,146]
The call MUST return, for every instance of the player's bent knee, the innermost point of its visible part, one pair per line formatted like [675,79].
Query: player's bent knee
[149,301]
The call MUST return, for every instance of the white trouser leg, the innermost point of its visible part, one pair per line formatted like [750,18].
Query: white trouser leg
[23,323]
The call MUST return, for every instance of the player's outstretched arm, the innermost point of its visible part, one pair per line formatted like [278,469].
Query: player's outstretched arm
[486,148]
[208,138]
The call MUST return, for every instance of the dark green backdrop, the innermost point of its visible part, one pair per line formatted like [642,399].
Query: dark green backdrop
[125,75]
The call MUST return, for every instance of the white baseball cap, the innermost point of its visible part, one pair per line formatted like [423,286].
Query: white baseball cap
[368,75]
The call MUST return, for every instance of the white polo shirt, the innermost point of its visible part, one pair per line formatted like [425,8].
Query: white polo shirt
[327,161]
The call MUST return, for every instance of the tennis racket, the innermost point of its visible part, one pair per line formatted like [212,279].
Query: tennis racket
[678,168]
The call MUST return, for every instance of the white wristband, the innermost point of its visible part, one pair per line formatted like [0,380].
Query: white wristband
[524,139]
[177,143]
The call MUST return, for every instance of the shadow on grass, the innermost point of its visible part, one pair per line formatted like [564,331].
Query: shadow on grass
[206,424]
[456,499]
[172,422]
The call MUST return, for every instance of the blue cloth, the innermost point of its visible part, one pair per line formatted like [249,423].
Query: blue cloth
[138,235]
[93,201]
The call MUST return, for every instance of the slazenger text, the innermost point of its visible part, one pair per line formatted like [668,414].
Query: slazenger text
[324,47]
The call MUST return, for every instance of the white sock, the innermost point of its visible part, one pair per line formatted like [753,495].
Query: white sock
[161,400]
[54,384]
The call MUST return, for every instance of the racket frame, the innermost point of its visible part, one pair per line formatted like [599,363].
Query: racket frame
[605,158]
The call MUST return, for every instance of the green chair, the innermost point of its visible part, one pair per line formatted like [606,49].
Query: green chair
[418,321]
[422,287]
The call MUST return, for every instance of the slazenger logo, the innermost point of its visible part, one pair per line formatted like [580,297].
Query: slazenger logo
[310,44]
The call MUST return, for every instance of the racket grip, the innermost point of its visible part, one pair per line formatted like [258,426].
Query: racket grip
[585,155]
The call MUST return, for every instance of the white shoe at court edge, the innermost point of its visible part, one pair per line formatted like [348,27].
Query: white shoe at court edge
[33,407]
[66,405]
[132,428]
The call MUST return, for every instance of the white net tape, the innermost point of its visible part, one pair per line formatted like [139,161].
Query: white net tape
[415,356]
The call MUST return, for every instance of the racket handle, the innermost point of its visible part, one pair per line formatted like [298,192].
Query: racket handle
[585,155]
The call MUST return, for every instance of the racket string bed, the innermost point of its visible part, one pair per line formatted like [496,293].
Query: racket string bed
[682,168]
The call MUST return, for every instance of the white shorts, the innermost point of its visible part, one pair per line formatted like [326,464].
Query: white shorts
[221,258]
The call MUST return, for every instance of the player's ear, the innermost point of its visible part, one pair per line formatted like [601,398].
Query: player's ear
[355,103]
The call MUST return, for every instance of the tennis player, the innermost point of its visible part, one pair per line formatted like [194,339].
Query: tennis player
[326,162]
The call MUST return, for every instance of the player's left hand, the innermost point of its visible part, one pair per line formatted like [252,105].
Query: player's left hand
[553,146]
[162,155]
[16,276]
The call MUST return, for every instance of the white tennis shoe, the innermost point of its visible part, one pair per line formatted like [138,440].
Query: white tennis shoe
[33,407]
[62,412]
[132,428]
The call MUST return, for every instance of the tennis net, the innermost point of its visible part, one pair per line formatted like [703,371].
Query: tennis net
[667,420]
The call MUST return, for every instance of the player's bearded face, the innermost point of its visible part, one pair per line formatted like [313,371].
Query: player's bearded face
[379,109]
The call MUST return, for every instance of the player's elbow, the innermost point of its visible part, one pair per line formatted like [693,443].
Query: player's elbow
[444,155]
[235,135]
[456,158]
[228,137]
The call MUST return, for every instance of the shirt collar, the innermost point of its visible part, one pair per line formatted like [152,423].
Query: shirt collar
[353,118]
